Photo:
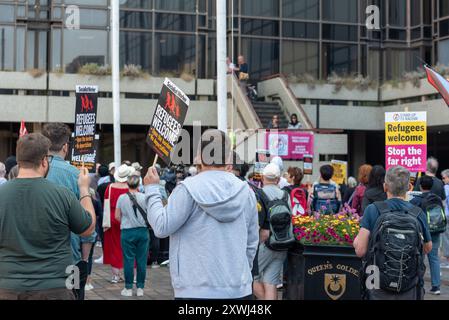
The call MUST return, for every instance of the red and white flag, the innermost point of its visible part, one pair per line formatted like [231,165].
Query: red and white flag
[439,82]
[23,130]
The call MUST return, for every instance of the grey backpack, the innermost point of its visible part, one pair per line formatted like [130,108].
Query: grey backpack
[281,226]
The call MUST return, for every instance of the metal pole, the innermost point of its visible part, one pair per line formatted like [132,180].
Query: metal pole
[222,117]
[116,81]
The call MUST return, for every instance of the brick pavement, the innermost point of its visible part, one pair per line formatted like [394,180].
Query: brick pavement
[158,285]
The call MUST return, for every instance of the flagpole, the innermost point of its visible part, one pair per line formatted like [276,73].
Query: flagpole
[222,117]
[116,81]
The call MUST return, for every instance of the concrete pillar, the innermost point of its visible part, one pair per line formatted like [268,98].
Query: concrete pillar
[357,152]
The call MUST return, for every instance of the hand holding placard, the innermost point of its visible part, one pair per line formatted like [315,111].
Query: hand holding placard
[152,177]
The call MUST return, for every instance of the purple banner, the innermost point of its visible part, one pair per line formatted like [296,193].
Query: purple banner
[289,145]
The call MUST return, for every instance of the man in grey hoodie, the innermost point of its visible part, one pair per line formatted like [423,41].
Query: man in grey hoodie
[212,223]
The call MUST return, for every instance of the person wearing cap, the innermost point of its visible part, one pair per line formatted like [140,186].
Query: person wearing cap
[10,163]
[270,262]
[282,181]
[112,249]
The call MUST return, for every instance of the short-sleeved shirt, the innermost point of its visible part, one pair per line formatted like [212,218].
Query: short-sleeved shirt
[372,214]
[437,187]
[131,219]
[36,218]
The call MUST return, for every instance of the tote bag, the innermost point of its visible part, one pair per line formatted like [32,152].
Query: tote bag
[107,210]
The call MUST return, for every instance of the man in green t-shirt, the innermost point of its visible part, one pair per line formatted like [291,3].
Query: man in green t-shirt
[36,218]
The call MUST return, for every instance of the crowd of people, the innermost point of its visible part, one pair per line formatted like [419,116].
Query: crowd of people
[229,230]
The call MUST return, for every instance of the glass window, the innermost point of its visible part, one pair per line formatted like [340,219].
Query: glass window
[56,49]
[84,46]
[339,32]
[299,58]
[91,17]
[135,20]
[397,34]
[175,22]
[201,72]
[416,12]
[443,52]
[415,33]
[135,48]
[339,58]
[176,5]
[20,48]
[397,13]
[305,9]
[136,4]
[427,12]
[262,56]
[212,57]
[341,10]
[7,48]
[36,49]
[444,28]
[7,13]
[444,8]
[300,30]
[260,8]
[256,27]
[400,61]
[175,54]
[374,65]
[88,2]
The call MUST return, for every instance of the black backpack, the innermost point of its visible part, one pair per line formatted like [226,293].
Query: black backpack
[396,248]
[432,207]
[281,225]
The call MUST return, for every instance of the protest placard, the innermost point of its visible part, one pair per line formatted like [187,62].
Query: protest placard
[340,171]
[168,119]
[84,145]
[290,145]
[406,140]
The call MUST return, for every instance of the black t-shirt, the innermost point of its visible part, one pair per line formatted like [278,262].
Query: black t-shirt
[437,187]
[262,210]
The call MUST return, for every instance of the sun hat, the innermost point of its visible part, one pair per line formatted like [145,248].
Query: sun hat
[111,166]
[271,171]
[123,172]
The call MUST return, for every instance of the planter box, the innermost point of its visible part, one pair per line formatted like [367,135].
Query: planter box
[323,273]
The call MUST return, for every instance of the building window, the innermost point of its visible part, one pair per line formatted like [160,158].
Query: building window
[397,34]
[400,61]
[255,27]
[262,56]
[339,32]
[174,54]
[7,13]
[260,8]
[444,8]
[339,58]
[6,48]
[176,5]
[84,46]
[341,10]
[136,4]
[416,12]
[175,22]
[135,20]
[444,28]
[94,18]
[135,48]
[397,13]
[305,9]
[87,2]
[443,52]
[301,30]
[299,58]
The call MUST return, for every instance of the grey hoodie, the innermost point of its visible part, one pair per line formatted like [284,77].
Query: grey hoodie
[212,222]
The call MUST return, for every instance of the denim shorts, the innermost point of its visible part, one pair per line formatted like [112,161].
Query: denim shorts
[270,265]
[91,239]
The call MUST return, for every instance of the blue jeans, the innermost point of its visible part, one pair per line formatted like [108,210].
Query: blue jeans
[135,245]
[434,261]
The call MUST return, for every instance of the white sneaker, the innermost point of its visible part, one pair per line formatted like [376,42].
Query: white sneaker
[154,265]
[165,263]
[139,292]
[99,260]
[98,244]
[135,280]
[127,292]
[89,287]
[115,279]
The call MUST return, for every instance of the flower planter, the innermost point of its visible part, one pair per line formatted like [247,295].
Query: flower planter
[320,272]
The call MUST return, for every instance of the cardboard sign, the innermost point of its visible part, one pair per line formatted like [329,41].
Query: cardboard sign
[406,140]
[308,164]
[168,119]
[262,160]
[340,171]
[290,145]
[84,144]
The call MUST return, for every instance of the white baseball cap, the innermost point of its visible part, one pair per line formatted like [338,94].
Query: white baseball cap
[111,166]
[271,171]
[278,161]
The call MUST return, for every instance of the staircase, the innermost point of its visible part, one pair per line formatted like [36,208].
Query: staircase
[266,110]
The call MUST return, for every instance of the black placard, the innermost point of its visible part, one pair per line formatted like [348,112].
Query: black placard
[168,119]
[84,143]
